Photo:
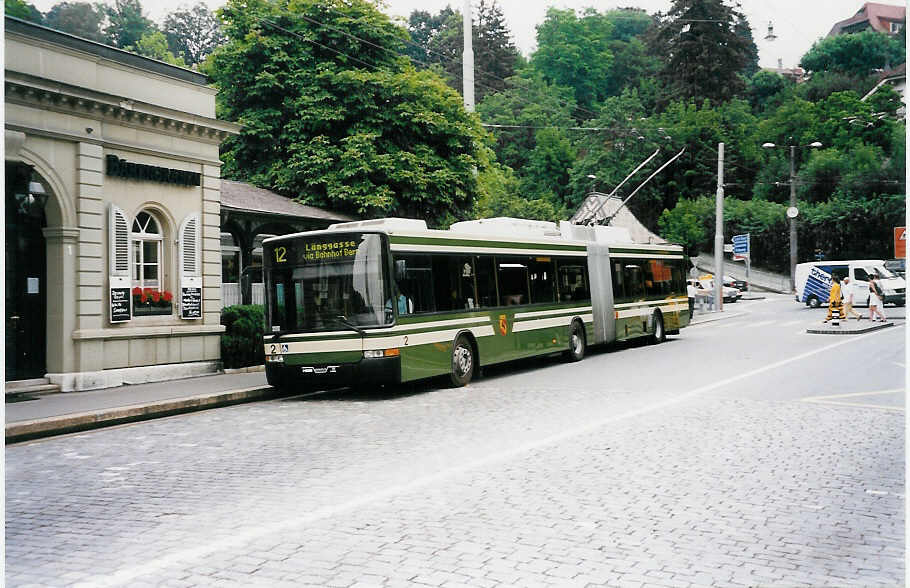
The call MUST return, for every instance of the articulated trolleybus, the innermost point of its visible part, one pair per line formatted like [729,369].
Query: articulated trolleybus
[389,301]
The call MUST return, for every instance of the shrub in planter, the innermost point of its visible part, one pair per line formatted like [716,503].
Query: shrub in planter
[241,343]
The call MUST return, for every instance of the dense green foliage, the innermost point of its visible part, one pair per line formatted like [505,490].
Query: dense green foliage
[707,47]
[77,18]
[241,343]
[856,54]
[192,33]
[335,115]
[342,108]
[23,10]
[437,41]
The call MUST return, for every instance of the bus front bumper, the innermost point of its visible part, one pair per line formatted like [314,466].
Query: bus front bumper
[316,376]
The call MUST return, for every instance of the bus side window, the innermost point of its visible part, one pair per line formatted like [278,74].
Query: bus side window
[632,276]
[513,280]
[543,280]
[416,282]
[453,282]
[619,293]
[486,281]
[573,280]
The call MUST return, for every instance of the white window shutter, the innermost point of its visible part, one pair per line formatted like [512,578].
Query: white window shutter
[190,258]
[119,242]
[119,265]
[190,242]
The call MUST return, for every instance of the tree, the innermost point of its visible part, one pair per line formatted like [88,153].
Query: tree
[154,45]
[424,28]
[126,25]
[704,49]
[546,174]
[573,52]
[77,18]
[499,194]
[23,10]
[334,116]
[528,103]
[765,89]
[858,54]
[193,33]
[441,40]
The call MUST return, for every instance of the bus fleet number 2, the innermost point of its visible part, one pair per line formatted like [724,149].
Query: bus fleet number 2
[276,349]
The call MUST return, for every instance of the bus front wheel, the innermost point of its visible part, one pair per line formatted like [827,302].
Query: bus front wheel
[463,362]
[577,344]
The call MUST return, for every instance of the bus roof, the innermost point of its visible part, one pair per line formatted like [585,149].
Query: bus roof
[502,229]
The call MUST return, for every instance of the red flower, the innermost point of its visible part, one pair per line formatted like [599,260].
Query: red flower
[137,291]
[167,296]
[143,299]
[156,296]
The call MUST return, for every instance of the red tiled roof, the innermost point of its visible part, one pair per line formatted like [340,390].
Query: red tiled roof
[877,15]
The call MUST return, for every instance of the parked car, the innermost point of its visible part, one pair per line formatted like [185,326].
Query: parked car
[705,287]
[732,282]
[897,266]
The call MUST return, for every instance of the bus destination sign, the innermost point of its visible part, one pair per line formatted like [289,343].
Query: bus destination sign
[304,252]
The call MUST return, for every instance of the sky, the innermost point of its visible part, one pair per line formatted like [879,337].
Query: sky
[797,23]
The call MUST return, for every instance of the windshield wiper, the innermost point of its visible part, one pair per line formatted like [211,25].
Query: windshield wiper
[344,321]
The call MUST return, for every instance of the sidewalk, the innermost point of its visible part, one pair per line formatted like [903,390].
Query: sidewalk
[41,416]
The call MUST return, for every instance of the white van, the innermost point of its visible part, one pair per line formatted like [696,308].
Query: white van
[813,281]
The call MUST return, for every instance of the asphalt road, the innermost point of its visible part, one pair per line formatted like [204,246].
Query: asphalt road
[742,452]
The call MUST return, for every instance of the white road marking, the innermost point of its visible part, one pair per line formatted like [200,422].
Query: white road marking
[832,399]
[761,323]
[237,539]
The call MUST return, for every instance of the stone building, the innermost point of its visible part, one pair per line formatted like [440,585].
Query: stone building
[113,211]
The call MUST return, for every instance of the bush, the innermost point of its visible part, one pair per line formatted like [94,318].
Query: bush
[241,343]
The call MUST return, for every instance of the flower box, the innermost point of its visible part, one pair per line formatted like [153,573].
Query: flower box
[148,302]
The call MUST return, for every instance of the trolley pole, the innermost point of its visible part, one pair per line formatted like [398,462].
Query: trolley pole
[719,233]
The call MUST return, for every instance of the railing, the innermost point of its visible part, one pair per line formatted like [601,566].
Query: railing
[230,294]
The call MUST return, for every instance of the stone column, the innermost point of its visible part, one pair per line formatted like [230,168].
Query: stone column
[62,246]
[90,258]
[211,255]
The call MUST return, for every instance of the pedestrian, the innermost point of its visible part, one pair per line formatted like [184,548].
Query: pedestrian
[835,301]
[691,292]
[847,291]
[875,300]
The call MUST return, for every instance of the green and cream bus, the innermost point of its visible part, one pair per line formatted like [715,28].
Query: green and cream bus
[390,301]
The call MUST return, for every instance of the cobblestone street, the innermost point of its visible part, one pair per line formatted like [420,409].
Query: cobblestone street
[639,466]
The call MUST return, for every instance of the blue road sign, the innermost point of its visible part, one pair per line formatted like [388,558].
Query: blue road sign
[741,244]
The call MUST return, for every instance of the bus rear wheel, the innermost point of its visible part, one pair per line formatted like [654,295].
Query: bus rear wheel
[463,362]
[577,343]
[660,334]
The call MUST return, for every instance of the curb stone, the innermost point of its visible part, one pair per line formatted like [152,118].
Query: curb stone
[844,330]
[71,423]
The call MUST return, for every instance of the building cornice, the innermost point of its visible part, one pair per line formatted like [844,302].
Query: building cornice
[44,94]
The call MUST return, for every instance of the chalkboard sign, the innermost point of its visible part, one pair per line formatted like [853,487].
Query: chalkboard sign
[121,299]
[190,303]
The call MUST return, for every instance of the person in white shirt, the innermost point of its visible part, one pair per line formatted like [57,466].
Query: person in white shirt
[848,301]
[690,292]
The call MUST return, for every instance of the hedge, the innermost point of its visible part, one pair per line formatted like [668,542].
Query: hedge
[241,343]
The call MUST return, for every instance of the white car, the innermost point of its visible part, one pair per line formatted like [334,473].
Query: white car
[705,287]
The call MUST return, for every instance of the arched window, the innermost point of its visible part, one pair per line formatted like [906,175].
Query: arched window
[147,241]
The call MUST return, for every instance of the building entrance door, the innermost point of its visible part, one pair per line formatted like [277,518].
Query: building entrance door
[26,275]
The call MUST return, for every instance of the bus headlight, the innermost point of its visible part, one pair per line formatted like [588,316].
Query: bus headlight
[274,358]
[378,353]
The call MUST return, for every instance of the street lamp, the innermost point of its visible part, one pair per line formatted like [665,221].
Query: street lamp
[792,212]
[592,177]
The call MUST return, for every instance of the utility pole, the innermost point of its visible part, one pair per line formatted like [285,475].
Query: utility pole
[467,59]
[792,218]
[719,233]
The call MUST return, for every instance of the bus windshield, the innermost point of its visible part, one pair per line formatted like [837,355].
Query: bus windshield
[327,282]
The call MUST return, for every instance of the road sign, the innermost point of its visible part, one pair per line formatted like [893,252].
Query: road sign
[741,245]
[900,242]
